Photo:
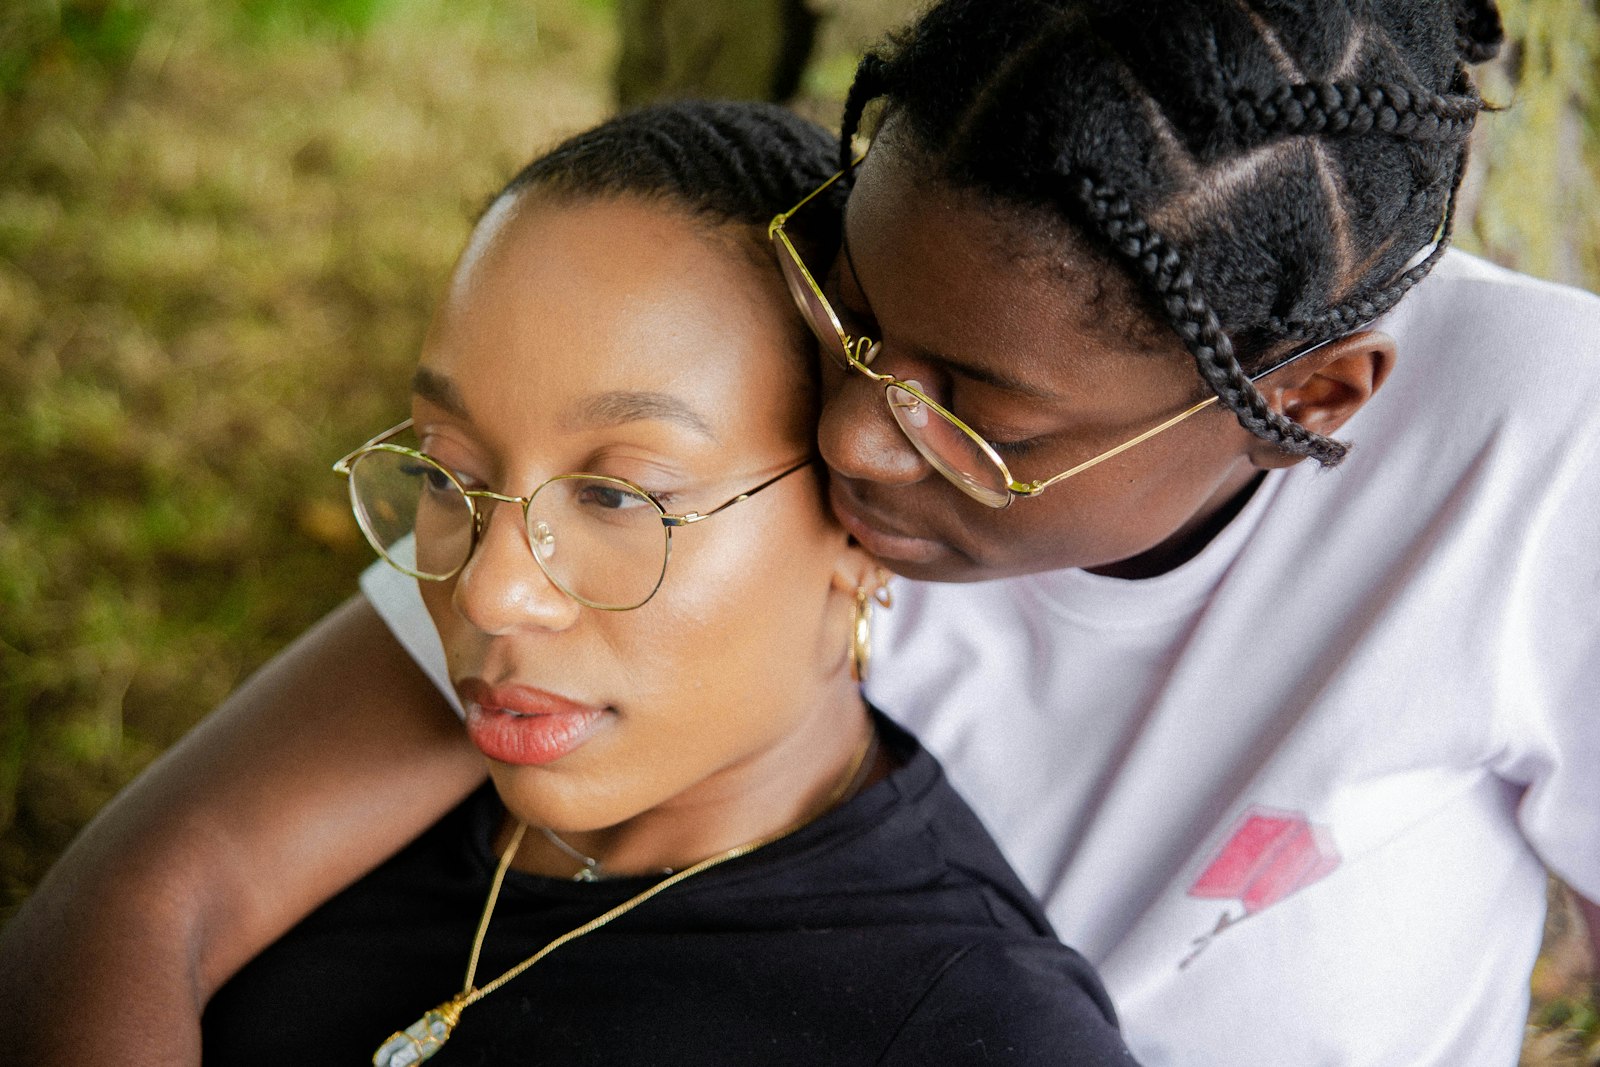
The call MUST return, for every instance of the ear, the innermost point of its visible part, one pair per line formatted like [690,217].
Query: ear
[1324,390]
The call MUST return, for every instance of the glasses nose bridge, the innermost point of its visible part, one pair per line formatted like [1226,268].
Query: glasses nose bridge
[506,587]
[481,513]
[500,498]
[860,352]
[536,539]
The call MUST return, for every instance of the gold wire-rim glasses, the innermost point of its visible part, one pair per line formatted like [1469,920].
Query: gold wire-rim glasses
[670,521]
[859,352]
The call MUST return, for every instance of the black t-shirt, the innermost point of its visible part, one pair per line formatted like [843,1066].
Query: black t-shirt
[889,931]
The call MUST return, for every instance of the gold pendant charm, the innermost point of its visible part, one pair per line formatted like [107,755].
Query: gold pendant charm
[422,1038]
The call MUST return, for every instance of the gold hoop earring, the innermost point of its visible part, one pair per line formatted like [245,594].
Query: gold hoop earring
[861,623]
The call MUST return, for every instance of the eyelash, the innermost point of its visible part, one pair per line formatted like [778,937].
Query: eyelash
[662,497]
[1016,449]
[467,481]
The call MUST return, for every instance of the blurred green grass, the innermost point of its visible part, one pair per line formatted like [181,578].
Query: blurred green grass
[222,227]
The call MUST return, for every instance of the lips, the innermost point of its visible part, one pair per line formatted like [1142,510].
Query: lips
[876,536]
[526,726]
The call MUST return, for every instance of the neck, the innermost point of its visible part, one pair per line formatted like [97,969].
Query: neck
[1189,541]
[788,783]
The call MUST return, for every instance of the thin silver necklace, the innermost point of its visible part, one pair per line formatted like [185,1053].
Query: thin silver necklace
[591,866]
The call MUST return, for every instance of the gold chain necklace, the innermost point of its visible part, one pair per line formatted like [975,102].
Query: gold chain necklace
[427,1035]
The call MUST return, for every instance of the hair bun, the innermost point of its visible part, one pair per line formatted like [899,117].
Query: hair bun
[1479,32]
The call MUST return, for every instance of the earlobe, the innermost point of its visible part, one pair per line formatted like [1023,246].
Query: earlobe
[1324,393]
[854,569]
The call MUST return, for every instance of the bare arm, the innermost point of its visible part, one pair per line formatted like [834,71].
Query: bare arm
[326,762]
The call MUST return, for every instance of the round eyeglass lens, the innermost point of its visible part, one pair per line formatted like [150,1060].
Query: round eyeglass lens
[948,448]
[818,315]
[599,540]
[412,512]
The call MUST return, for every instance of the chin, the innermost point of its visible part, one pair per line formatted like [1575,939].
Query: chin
[937,572]
[953,569]
[530,800]
[565,803]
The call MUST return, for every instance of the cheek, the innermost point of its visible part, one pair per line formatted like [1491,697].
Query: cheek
[752,602]
[463,645]
[436,598]
[721,665]
[742,604]
[1124,508]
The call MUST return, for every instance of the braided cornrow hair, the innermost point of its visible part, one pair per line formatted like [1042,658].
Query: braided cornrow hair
[1266,171]
[729,162]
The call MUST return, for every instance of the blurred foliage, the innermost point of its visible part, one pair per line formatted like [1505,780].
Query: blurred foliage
[222,225]
[1537,164]
[221,230]
[748,49]
[102,34]
[1564,1019]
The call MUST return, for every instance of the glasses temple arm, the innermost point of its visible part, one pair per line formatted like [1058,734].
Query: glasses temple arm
[673,521]
[343,465]
[1039,487]
[779,221]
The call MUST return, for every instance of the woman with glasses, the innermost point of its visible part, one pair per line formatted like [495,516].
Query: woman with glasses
[699,845]
[1256,531]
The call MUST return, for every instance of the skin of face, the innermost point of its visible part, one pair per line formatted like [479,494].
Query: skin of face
[1039,348]
[728,710]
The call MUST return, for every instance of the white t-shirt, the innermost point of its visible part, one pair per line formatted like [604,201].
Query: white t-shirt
[1296,797]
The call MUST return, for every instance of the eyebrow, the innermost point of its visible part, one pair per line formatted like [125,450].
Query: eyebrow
[983,375]
[618,407]
[615,408]
[436,388]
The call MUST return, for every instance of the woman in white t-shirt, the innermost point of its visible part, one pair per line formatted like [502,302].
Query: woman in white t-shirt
[1284,750]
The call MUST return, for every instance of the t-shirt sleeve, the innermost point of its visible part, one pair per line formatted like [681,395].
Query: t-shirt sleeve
[395,598]
[1551,732]
[1020,1003]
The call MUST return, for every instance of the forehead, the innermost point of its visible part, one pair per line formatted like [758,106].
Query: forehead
[1013,286]
[555,298]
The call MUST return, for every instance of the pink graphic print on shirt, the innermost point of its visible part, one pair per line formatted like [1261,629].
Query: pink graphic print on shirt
[1268,856]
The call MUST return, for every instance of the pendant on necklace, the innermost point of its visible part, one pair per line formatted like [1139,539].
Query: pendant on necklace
[421,1039]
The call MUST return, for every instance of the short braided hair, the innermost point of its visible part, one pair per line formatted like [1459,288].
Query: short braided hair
[1344,107]
[1265,172]
[725,161]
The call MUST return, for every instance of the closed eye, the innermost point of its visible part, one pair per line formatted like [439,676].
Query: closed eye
[435,477]
[1021,447]
[608,496]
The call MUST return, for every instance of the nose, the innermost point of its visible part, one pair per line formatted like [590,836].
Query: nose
[858,437]
[502,590]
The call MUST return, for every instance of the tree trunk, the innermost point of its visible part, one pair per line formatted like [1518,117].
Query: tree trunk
[745,49]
